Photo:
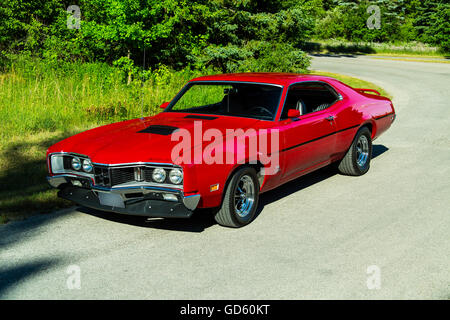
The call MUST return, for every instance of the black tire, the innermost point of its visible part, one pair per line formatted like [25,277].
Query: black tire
[227,215]
[351,164]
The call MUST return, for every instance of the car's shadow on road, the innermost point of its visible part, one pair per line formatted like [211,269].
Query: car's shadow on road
[204,218]
[198,222]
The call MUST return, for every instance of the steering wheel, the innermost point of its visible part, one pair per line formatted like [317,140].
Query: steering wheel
[262,110]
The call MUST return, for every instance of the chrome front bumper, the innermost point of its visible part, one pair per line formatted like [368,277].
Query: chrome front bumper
[138,199]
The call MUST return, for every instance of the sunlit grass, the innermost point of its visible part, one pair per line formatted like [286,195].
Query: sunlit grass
[36,96]
[336,46]
[399,58]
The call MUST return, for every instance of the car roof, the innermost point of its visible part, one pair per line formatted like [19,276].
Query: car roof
[264,77]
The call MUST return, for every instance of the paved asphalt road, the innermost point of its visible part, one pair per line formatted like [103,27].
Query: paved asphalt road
[314,238]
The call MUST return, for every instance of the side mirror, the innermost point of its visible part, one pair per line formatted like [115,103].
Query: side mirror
[293,113]
[164,105]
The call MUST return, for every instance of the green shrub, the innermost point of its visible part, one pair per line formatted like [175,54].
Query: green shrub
[255,56]
[274,57]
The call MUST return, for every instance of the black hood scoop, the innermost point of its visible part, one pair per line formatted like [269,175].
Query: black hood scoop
[200,117]
[157,129]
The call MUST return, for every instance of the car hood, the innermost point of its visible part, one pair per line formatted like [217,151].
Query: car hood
[132,141]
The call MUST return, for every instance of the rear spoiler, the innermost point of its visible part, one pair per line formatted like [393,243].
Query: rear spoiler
[361,90]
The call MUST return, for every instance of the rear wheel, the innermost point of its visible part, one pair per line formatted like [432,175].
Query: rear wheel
[356,161]
[240,200]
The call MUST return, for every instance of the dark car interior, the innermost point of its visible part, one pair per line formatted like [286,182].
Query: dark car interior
[308,98]
[243,100]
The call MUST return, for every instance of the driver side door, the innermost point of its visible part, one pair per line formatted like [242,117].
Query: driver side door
[309,141]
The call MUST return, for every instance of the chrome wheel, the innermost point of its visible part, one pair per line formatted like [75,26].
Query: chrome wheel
[362,151]
[244,196]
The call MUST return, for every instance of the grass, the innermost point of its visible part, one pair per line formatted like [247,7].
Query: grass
[411,49]
[37,96]
[42,103]
[394,58]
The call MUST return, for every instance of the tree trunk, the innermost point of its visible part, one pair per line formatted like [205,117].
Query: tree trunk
[129,71]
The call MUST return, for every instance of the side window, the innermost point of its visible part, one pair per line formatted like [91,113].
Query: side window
[308,97]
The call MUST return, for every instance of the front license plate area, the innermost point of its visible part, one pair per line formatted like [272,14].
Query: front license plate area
[111,199]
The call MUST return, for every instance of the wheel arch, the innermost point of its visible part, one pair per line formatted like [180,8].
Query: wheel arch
[257,166]
[371,125]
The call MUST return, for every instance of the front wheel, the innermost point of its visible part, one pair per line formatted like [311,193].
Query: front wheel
[356,161]
[240,200]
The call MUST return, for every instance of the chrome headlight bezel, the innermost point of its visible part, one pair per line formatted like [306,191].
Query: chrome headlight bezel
[61,163]
[57,164]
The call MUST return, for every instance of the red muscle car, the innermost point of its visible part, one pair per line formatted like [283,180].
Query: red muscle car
[221,142]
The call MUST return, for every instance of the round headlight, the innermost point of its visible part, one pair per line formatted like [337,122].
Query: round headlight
[87,166]
[175,176]
[76,163]
[159,175]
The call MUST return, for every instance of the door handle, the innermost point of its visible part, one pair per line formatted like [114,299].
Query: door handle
[330,118]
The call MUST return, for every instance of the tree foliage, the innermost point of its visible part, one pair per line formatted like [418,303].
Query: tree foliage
[230,35]
[401,20]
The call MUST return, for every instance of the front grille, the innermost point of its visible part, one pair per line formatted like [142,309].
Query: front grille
[121,175]
[109,176]
[148,174]
[102,176]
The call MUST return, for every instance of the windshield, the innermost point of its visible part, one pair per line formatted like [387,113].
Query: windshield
[259,101]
